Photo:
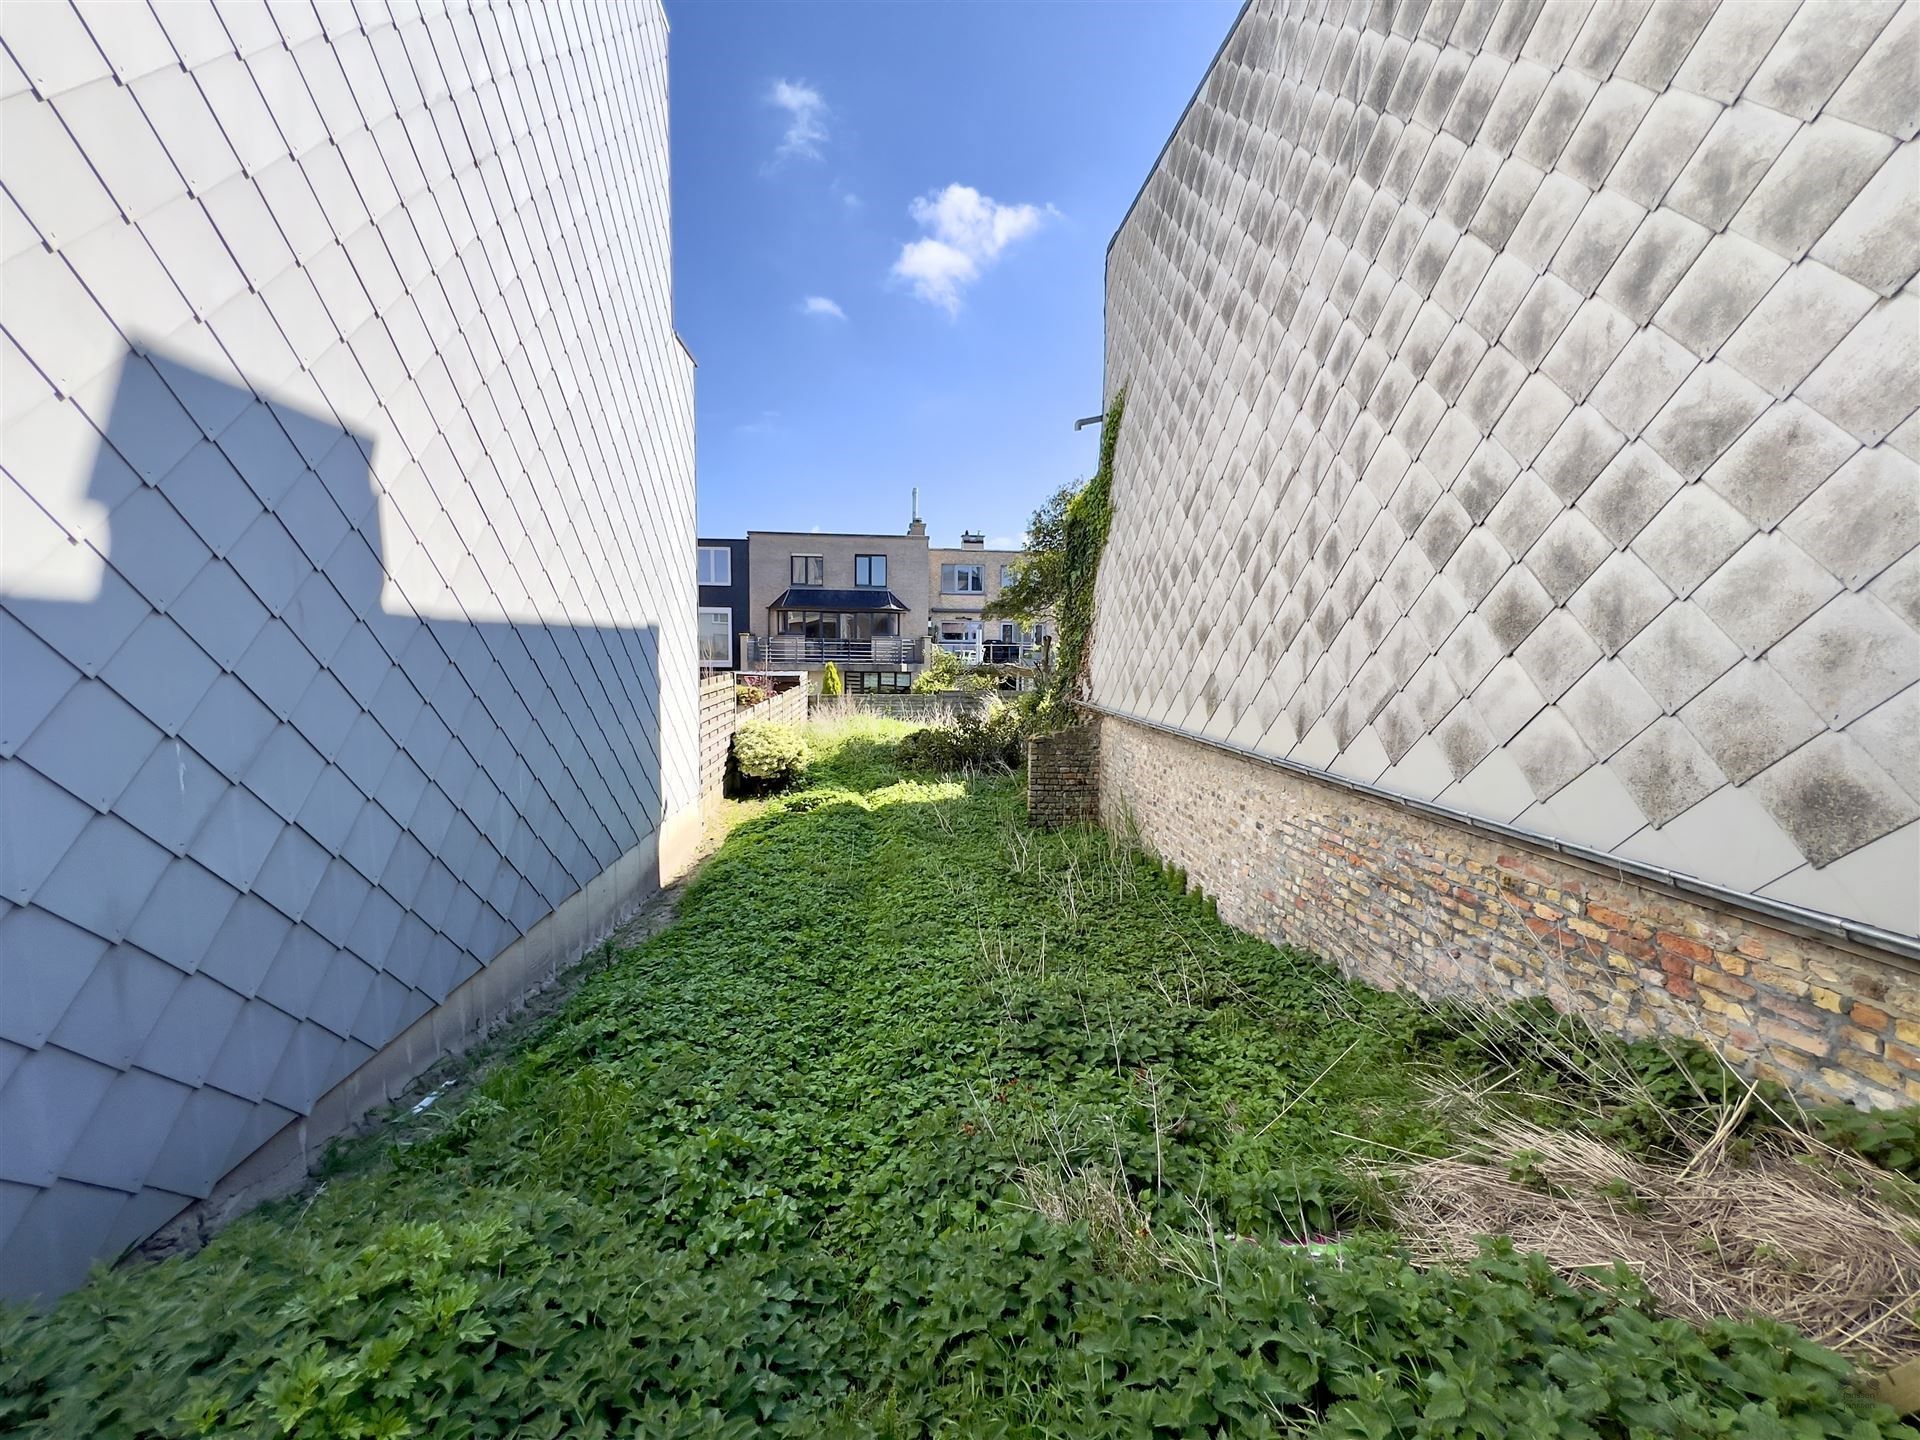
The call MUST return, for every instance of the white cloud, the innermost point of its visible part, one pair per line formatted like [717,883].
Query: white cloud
[966,231]
[821,305]
[806,119]
[1007,542]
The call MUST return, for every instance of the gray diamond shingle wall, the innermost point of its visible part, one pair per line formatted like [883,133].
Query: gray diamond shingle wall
[1521,417]
[346,616]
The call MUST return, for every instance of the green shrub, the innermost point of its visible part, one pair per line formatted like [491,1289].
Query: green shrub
[830,683]
[942,673]
[767,757]
[1043,712]
[989,739]
[748,696]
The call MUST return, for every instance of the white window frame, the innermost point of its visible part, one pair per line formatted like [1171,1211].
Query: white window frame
[818,567]
[951,577]
[1006,576]
[700,634]
[723,572]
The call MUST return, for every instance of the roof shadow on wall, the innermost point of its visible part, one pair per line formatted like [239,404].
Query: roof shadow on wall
[257,821]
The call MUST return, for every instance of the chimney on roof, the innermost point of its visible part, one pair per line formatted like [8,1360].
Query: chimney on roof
[916,526]
[972,540]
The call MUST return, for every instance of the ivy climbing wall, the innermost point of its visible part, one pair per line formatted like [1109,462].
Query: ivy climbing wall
[1520,419]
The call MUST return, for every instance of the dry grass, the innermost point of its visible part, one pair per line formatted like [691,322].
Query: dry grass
[1098,1197]
[1784,1227]
[1718,1224]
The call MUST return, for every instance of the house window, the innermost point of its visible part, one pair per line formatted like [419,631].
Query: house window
[806,570]
[1006,576]
[716,637]
[962,580]
[815,624]
[871,680]
[870,571]
[1009,633]
[716,565]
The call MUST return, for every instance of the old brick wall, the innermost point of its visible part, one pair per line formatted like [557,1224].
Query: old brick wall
[1409,901]
[1063,777]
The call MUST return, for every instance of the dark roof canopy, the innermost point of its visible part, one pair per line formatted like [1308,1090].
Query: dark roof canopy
[808,597]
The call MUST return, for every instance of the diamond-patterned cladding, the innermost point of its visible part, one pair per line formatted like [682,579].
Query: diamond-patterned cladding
[1611,311]
[345,616]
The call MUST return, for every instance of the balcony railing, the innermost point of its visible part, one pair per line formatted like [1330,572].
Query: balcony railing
[993,652]
[798,650]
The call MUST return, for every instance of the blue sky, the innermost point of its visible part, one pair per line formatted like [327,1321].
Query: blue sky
[890,222]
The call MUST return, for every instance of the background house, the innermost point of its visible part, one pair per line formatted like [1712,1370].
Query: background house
[962,583]
[722,574]
[857,600]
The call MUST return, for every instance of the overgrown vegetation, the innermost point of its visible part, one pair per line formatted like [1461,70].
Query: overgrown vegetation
[991,738]
[916,1122]
[945,671]
[1038,575]
[747,696]
[1089,518]
[1065,539]
[767,756]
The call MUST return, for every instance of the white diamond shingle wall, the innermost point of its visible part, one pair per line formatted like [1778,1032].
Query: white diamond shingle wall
[1521,418]
[345,610]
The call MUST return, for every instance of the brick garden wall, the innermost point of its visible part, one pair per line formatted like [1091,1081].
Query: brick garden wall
[1408,901]
[1063,777]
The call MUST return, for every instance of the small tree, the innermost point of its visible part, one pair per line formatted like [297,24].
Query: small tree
[830,680]
[1039,576]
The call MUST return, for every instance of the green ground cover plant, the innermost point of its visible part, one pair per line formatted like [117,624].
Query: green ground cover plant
[915,1122]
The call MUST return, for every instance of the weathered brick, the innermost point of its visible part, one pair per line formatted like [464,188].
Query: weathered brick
[1715,980]
[1680,945]
[1869,1017]
[1795,1038]
[1408,901]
